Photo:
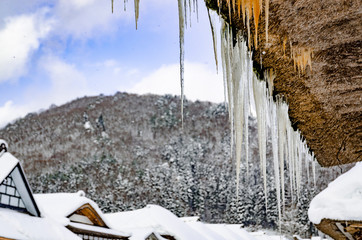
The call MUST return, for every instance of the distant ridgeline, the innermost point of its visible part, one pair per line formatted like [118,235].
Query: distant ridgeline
[135,154]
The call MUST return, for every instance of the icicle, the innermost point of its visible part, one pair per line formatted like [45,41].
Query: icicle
[298,171]
[307,161]
[243,10]
[226,46]
[313,169]
[229,7]
[137,10]
[248,28]
[219,5]
[290,157]
[185,12]
[282,112]
[274,136]
[190,11]
[214,43]
[256,13]
[260,104]
[182,54]
[125,5]
[112,6]
[249,75]
[238,119]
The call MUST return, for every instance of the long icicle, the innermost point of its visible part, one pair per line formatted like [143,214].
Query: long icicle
[274,135]
[238,97]
[260,104]
[249,75]
[182,54]
[313,169]
[214,43]
[137,10]
[282,125]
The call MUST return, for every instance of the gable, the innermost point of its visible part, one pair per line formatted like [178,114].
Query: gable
[15,192]
[9,195]
[88,215]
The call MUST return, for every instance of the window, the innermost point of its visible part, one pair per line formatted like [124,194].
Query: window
[9,195]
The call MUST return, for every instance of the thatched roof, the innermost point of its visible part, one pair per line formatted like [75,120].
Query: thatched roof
[341,230]
[325,101]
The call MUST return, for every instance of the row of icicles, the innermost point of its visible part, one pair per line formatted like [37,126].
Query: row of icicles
[242,86]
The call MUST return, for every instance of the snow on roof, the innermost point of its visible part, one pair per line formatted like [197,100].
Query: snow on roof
[230,233]
[341,200]
[64,204]
[236,228]
[156,217]
[61,205]
[7,164]
[16,225]
[190,219]
[143,233]
[204,230]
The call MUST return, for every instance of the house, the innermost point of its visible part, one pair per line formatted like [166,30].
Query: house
[20,217]
[337,210]
[24,215]
[81,215]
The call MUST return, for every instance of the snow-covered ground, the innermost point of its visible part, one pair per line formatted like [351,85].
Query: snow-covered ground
[341,200]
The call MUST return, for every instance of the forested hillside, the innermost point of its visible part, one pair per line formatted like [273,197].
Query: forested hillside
[126,151]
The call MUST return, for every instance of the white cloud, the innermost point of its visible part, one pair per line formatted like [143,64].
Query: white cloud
[67,82]
[9,112]
[84,19]
[18,40]
[201,82]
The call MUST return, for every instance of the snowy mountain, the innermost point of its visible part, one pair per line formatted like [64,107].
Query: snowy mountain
[126,151]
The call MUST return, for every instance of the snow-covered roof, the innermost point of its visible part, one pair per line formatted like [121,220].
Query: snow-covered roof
[190,219]
[205,231]
[143,233]
[16,225]
[230,231]
[10,168]
[62,205]
[341,200]
[155,217]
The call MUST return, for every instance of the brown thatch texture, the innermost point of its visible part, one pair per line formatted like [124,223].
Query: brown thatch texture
[329,227]
[325,101]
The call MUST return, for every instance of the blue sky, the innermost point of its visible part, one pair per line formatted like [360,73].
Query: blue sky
[55,51]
